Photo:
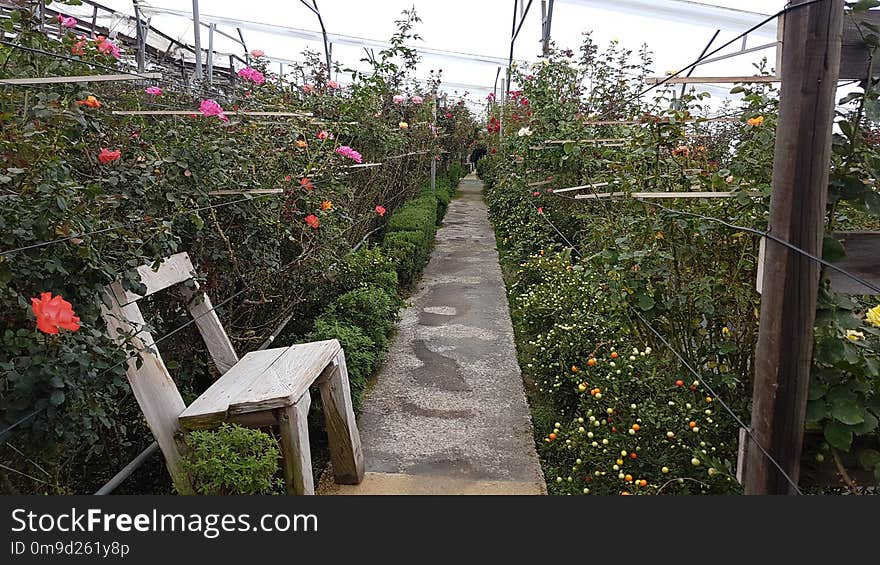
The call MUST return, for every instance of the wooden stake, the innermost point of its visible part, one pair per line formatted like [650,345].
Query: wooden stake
[811,63]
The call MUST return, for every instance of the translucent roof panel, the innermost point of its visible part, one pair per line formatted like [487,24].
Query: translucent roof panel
[468,40]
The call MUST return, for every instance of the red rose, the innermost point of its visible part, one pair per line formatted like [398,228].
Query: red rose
[53,312]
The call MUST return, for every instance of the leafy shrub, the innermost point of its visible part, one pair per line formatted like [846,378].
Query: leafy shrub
[371,309]
[361,353]
[232,460]
[364,268]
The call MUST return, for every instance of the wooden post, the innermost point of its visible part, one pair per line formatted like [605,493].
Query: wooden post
[346,454]
[293,425]
[810,68]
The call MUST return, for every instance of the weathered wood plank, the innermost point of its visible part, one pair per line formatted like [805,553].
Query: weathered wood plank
[346,454]
[855,54]
[713,80]
[650,195]
[293,426]
[209,326]
[151,383]
[230,192]
[173,270]
[196,112]
[862,259]
[262,380]
[74,79]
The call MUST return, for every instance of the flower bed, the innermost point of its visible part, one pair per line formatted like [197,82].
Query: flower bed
[606,292]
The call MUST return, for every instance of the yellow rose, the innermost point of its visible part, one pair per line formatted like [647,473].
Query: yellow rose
[873,316]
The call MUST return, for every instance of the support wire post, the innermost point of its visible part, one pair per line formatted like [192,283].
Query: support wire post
[810,70]
[197,38]
[211,29]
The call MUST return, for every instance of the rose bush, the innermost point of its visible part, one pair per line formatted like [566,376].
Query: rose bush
[87,196]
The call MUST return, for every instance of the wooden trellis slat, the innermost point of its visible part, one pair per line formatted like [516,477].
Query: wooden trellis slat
[650,195]
[73,79]
[241,192]
[195,111]
[712,80]
[655,121]
[596,141]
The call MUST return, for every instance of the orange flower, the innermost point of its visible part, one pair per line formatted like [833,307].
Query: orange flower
[326,205]
[681,151]
[313,221]
[107,156]
[755,122]
[90,101]
[53,312]
[301,144]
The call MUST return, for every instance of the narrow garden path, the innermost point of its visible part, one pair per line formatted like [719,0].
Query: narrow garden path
[447,413]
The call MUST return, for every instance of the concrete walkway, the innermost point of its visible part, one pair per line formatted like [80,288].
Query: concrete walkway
[447,413]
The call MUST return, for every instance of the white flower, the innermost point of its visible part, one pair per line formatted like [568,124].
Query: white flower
[853,335]
[524,132]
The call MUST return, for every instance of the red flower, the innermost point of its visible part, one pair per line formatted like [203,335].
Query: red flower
[306,184]
[492,151]
[380,210]
[107,156]
[53,312]
[448,115]
[523,101]
[288,178]
[541,210]
[313,221]
[536,193]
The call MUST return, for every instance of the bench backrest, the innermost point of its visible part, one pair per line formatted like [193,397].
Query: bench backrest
[153,387]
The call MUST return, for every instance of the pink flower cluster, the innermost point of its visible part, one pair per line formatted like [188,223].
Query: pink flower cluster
[491,97]
[252,75]
[257,53]
[332,84]
[347,151]
[416,99]
[108,47]
[67,21]
[398,98]
[153,91]
[211,108]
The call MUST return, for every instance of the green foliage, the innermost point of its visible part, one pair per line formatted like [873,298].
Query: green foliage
[370,309]
[361,353]
[232,460]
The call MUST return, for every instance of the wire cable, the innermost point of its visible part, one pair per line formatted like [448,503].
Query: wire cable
[129,224]
[714,394]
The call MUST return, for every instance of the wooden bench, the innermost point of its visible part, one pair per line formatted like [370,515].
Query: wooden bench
[264,388]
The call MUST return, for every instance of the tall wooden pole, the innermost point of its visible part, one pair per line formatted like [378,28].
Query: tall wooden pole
[810,69]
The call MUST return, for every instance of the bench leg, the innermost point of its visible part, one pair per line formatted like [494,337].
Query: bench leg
[346,454]
[294,427]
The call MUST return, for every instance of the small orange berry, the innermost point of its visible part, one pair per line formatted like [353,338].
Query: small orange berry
[614,355]
[628,478]
[591,362]
[636,427]
[552,437]
[633,455]
[643,483]
[692,424]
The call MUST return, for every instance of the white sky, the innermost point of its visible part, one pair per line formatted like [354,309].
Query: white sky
[483,27]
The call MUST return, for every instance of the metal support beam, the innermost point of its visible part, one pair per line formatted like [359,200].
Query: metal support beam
[197,38]
[211,29]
